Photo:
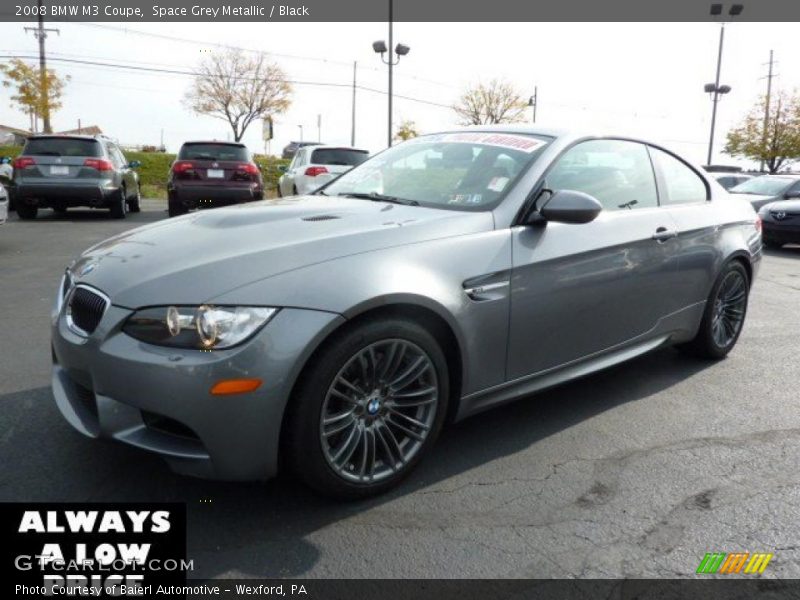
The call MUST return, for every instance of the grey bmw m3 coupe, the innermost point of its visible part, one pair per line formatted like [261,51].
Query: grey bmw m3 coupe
[337,333]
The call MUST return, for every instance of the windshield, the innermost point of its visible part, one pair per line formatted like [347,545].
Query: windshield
[62,147]
[459,171]
[213,152]
[763,186]
[338,156]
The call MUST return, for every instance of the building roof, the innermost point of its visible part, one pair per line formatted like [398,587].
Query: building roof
[88,130]
[14,130]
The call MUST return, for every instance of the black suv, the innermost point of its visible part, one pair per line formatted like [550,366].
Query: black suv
[62,171]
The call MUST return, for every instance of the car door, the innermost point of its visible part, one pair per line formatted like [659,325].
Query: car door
[577,290]
[128,174]
[289,180]
[686,195]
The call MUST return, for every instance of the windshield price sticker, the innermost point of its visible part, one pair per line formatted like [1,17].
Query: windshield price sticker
[523,143]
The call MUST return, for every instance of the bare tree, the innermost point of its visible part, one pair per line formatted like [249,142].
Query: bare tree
[239,89]
[490,103]
[779,143]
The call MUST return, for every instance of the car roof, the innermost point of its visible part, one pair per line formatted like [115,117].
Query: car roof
[50,136]
[218,142]
[338,147]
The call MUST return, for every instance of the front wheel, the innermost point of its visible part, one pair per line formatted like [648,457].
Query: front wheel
[724,314]
[27,211]
[368,409]
[134,204]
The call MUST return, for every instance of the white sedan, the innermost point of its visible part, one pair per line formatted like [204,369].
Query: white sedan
[314,166]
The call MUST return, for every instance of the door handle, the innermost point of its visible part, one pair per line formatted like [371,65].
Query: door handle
[663,234]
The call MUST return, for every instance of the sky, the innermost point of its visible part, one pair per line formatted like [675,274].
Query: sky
[640,79]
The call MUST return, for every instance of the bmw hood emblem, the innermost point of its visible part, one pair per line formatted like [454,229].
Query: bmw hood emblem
[87,268]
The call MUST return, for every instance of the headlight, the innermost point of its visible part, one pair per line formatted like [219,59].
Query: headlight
[203,327]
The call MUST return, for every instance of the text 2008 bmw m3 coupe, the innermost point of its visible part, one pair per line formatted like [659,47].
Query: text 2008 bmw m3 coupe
[448,274]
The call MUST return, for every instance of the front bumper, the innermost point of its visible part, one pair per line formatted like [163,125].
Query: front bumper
[784,233]
[64,194]
[110,385]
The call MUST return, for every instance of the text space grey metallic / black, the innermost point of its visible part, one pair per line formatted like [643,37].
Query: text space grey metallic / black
[450,273]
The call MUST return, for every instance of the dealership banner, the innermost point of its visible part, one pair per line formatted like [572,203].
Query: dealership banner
[133,11]
[93,549]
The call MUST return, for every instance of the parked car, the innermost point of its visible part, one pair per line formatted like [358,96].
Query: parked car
[4,204]
[6,179]
[313,167]
[447,275]
[63,171]
[730,180]
[769,188]
[781,223]
[209,174]
[292,147]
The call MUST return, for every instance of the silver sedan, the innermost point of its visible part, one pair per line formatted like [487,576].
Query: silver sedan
[451,273]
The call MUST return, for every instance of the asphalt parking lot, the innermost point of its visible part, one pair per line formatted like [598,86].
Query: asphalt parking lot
[634,472]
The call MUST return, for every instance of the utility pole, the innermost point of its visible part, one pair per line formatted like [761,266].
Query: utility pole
[766,105]
[40,33]
[353,117]
[319,128]
[534,100]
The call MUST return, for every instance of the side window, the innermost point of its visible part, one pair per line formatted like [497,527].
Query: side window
[113,155]
[616,172]
[680,182]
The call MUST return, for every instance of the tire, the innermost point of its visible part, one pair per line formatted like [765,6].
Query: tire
[134,204]
[732,288]
[370,433]
[60,210]
[175,207]
[119,205]
[278,189]
[294,191]
[26,212]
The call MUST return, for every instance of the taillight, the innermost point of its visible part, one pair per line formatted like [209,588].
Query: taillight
[182,166]
[101,164]
[23,162]
[248,168]
[314,171]
[759,224]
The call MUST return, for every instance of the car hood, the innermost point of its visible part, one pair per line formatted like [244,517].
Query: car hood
[197,257]
[787,206]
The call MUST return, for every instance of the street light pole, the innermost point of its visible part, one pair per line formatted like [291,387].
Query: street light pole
[716,94]
[400,50]
[391,66]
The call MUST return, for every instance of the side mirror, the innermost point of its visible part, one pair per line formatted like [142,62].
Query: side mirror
[569,206]
[134,164]
[283,168]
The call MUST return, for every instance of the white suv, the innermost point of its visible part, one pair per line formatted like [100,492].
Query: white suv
[314,166]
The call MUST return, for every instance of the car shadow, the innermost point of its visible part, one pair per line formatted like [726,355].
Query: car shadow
[88,214]
[788,250]
[261,529]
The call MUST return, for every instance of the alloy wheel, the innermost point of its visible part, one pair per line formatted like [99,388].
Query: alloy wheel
[379,410]
[729,309]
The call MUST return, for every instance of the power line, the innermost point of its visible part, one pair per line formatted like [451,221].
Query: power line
[165,71]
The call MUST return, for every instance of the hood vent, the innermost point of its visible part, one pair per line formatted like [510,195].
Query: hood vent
[320,218]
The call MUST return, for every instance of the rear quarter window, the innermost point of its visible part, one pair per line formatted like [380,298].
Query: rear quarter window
[213,152]
[62,147]
[338,156]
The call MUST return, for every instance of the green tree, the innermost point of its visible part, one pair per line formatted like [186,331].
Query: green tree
[239,89]
[406,130]
[27,96]
[778,143]
[490,103]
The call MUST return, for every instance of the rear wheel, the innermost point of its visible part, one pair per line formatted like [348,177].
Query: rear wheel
[26,211]
[119,205]
[368,409]
[175,207]
[724,314]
